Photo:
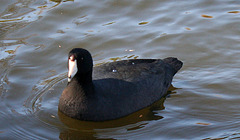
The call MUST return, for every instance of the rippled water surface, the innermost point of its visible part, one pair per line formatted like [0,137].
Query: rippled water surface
[36,36]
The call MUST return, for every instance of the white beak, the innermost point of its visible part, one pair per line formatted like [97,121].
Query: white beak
[72,68]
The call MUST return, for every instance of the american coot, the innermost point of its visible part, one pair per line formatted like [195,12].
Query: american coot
[115,89]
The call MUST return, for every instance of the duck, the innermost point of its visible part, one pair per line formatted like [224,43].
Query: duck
[116,89]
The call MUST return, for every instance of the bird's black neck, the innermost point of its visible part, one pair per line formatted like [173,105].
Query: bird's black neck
[85,82]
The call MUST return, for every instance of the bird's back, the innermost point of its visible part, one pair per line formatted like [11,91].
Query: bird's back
[127,86]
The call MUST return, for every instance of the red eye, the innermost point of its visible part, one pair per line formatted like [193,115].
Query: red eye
[72,58]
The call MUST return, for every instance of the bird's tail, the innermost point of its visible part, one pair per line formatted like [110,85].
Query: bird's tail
[174,62]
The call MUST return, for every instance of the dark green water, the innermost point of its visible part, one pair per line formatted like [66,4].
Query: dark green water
[36,36]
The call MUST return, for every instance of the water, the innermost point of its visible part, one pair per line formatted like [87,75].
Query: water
[36,36]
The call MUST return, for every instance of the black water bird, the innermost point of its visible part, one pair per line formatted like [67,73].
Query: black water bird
[115,89]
